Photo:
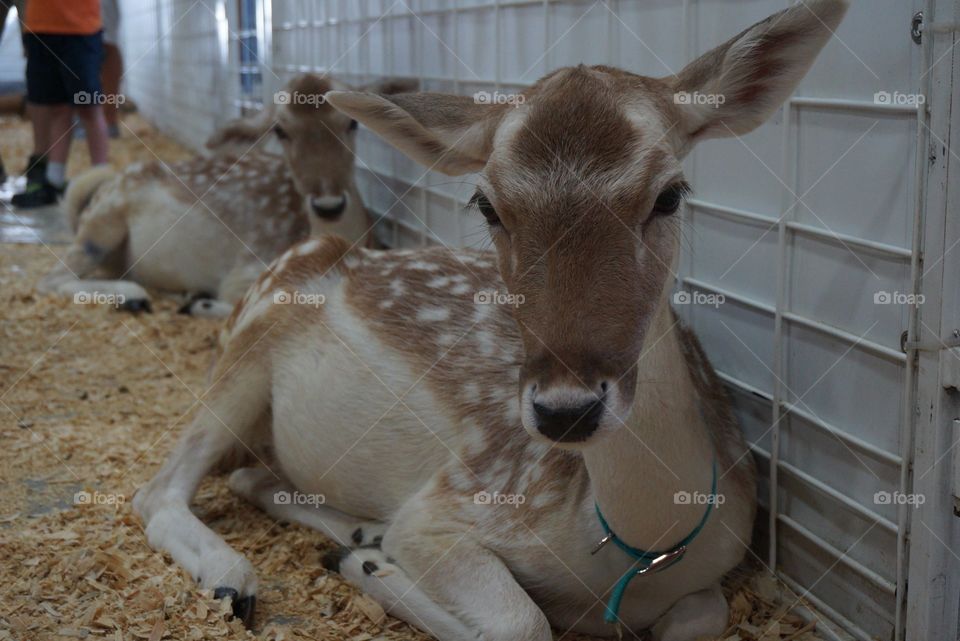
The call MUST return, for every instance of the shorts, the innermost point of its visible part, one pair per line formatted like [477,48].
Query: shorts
[63,69]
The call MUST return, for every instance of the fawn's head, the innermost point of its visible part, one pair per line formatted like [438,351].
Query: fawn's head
[318,144]
[580,181]
[316,140]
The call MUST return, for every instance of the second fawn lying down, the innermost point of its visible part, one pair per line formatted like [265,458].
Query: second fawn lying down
[206,227]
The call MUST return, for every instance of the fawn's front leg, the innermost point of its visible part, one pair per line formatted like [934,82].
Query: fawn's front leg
[379,577]
[261,487]
[460,575]
[228,418]
[99,237]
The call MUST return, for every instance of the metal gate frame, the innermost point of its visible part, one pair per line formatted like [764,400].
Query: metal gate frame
[933,544]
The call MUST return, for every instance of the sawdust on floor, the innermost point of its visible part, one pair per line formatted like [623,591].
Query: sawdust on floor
[92,400]
[138,142]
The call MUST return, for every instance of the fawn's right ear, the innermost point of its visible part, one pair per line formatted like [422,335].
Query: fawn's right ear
[452,134]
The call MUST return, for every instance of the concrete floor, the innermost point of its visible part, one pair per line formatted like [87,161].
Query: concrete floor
[43,225]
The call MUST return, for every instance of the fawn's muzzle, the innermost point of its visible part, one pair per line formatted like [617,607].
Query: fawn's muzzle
[328,206]
[568,418]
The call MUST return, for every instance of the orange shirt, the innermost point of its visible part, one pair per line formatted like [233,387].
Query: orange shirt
[81,17]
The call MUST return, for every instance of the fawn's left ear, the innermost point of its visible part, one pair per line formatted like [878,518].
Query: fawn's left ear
[734,88]
[245,131]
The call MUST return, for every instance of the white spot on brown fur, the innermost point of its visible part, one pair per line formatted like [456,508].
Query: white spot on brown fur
[471,392]
[308,247]
[433,314]
[481,312]
[485,343]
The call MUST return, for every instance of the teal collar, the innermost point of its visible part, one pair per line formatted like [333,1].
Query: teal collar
[648,561]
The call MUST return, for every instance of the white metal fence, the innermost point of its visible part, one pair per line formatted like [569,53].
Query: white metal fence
[12,62]
[805,229]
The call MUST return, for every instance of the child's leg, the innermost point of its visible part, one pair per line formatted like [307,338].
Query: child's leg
[95,125]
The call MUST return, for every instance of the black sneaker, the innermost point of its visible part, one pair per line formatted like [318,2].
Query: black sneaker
[40,195]
[36,170]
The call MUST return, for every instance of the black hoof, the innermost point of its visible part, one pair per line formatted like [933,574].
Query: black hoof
[242,608]
[136,306]
[373,545]
[357,538]
[332,559]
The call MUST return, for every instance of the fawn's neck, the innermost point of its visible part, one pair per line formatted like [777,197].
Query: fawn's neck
[664,449]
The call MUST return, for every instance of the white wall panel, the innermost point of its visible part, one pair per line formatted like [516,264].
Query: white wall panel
[711,240]
[742,172]
[175,65]
[739,340]
[13,64]
[840,151]
[837,284]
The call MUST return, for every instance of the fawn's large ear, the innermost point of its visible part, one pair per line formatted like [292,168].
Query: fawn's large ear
[452,134]
[391,86]
[734,88]
[243,131]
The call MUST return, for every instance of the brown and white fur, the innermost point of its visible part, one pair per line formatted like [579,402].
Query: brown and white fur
[399,399]
[208,226]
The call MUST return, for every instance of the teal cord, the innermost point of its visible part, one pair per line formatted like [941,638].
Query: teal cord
[645,558]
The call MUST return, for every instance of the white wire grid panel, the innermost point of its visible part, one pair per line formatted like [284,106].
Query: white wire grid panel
[799,225]
[176,64]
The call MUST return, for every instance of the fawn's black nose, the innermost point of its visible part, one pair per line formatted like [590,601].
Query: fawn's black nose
[329,207]
[568,423]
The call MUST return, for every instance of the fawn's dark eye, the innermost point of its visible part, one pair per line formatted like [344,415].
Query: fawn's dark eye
[280,133]
[482,203]
[353,125]
[670,199]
